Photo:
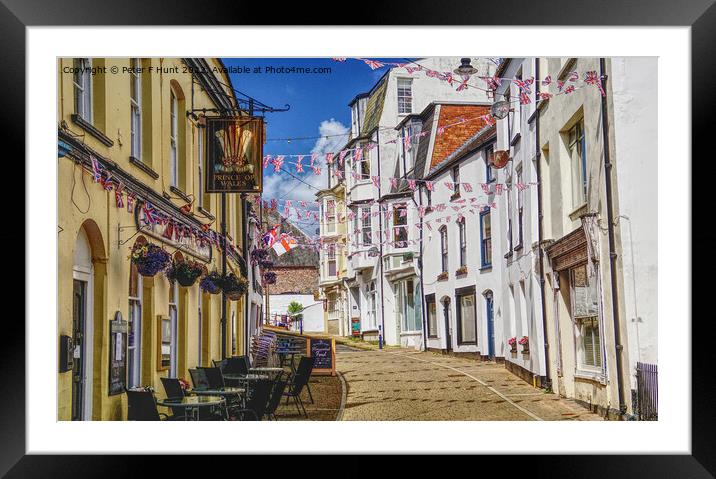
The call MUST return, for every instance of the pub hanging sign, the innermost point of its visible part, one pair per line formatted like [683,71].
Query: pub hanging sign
[234,154]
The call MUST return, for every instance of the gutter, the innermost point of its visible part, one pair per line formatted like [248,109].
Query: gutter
[380,261]
[612,253]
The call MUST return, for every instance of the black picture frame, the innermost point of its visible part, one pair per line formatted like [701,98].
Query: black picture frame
[700,15]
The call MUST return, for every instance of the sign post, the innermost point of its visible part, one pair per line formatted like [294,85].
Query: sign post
[234,153]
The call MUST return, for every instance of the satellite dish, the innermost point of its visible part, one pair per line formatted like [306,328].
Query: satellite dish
[500,109]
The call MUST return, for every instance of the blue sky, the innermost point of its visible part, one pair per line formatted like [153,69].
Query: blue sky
[319,106]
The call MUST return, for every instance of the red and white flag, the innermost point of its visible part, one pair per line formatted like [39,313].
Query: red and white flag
[284,244]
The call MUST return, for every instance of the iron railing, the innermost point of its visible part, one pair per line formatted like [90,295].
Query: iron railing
[647,383]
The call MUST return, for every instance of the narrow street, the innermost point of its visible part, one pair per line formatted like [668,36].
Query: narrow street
[401,384]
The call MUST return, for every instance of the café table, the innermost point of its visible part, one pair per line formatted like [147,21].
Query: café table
[228,392]
[283,352]
[269,371]
[193,403]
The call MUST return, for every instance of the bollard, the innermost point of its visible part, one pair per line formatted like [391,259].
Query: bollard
[380,337]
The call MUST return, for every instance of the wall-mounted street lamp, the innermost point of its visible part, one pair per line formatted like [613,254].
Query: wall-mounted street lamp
[465,70]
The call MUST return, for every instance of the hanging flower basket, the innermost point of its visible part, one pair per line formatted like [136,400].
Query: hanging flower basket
[150,259]
[211,283]
[234,287]
[184,272]
[269,277]
[513,344]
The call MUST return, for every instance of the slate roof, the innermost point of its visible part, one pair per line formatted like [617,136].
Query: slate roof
[374,108]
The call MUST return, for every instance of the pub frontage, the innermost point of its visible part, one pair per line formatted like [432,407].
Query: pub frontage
[140,238]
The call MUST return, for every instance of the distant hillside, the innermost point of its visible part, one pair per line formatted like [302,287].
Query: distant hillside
[299,256]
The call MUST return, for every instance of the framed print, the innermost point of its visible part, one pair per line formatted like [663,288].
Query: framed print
[486,236]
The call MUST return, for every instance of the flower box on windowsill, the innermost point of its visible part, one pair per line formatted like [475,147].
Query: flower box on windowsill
[461,271]
[443,276]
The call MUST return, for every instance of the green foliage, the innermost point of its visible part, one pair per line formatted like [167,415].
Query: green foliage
[295,308]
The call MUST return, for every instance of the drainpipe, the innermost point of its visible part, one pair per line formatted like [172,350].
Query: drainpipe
[540,231]
[381,335]
[420,268]
[612,253]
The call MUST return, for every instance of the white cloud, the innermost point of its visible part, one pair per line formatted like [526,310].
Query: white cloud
[333,136]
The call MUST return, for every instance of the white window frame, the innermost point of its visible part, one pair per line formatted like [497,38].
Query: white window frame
[404,95]
[577,149]
[82,82]
[580,321]
[135,101]
[173,141]
[134,353]
[174,320]
[200,164]
[399,224]
[331,258]
[328,219]
[372,301]
[444,251]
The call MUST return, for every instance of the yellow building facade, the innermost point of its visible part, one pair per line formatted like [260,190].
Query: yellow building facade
[135,121]
[333,262]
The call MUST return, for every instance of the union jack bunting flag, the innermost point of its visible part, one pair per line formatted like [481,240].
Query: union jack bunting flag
[329,158]
[485,188]
[151,216]
[131,197]
[342,155]
[498,188]
[429,185]
[573,76]
[406,142]
[299,166]
[449,185]
[358,155]
[521,186]
[393,182]
[314,157]
[365,214]
[569,89]
[421,211]
[441,130]
[547,81]
[412,70]
[351,215]
[447,76]
[411,184]
[376,181]
[316,170]
[430,227]
[560,85]
[278,162]
[267,159]
[338,174]
[524,99]
[545,96]
[373,64]
[303,204]
[462,86]
[489,120]
[106,182]
[96,169]
[524,85]
[467,187]
[591,78]
[274,204]
[403,213]
[119,196]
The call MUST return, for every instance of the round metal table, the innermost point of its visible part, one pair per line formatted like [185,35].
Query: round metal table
[269,371]
[193,403]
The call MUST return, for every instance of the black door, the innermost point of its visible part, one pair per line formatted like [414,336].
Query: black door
[446,315]
[78,325]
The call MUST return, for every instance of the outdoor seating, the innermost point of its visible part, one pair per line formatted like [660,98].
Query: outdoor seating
[199,379]
[173,389]
[256,405]
[299,380]
[276,394]
[215,377]
[141,406]
[236,365]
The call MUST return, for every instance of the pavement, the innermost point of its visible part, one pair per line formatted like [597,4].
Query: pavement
[397,384]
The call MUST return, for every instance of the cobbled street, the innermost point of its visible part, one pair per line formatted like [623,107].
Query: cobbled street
[401,384]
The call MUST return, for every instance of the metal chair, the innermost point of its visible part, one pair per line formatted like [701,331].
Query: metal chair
[141,406]
[298,381]
[199,378]
[215,377]
[173,390]
[276,394]
[257,404]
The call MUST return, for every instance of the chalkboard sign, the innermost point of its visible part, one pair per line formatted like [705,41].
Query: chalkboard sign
[117,354]
[324,350]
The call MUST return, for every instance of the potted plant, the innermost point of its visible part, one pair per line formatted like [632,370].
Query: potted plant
[233,286]
[513,344]
[443,276]
[211,283]
[150,259]
[461,271]
[525,342]
[184,272]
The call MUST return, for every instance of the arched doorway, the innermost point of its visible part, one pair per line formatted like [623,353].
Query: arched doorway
[446,318]
[82,328]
